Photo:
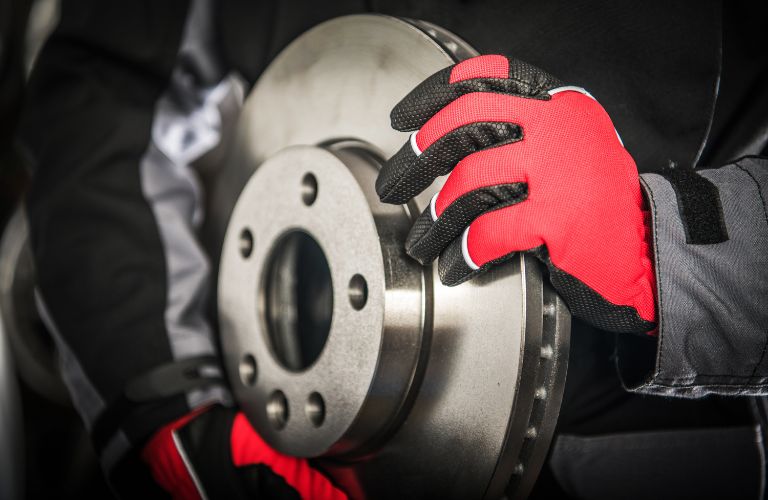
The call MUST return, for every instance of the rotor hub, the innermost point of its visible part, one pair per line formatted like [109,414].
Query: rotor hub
[318,261]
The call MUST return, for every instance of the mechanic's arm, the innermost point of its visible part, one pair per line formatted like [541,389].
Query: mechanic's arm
[124,97]
[536,166]
[709,230]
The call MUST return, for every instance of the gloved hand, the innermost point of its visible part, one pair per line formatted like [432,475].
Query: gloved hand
[215,454]
[534,166]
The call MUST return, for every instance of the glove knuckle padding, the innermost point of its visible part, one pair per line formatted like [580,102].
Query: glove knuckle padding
[428,238]
[479,74]
[405,175]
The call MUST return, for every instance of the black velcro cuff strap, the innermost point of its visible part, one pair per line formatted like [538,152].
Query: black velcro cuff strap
[698,201]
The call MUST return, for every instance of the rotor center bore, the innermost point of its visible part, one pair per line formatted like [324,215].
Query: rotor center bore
[296,300]
[327,308]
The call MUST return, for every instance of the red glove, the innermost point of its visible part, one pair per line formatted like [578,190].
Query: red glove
[535,166]
[215,453]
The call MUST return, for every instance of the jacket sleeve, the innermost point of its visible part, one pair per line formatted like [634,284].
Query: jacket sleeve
[124,98]
[710,238]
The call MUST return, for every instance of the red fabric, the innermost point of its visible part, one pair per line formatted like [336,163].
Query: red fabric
[585,202]
[248,448]
[166,464]
[491,66]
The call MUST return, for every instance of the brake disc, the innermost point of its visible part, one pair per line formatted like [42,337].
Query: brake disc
[340,347]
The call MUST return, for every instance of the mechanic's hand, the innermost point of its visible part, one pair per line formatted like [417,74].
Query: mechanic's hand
[215,453]
[535,166]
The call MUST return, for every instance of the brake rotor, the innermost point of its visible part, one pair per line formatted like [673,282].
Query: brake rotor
[338,346]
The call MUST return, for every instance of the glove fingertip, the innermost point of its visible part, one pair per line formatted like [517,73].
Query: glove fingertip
[401,119]
[393,185]
[386,192]
[421,103]
[452,268]
[415,241]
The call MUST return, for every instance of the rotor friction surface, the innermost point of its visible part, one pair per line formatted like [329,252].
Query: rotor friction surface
[472,403]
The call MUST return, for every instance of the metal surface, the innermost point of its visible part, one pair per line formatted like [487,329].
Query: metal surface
[420,390]
[339,80]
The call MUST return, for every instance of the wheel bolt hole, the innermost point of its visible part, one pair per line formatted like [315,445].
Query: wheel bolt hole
[358,292]
[247,370]
[309,189]
[246,243]
[277,409]
[315,409]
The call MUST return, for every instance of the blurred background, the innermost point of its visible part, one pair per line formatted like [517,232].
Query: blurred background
[44,449]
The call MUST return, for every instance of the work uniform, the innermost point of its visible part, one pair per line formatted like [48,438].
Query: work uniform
[128,100]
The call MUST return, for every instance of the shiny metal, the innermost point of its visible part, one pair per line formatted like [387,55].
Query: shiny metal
[339,80]
[373,349]
[421,390]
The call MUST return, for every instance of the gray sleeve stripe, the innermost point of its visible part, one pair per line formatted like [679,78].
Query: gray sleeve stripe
[186,125]
[85,397]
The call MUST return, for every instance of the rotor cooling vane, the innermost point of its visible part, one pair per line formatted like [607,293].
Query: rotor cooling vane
[341,348]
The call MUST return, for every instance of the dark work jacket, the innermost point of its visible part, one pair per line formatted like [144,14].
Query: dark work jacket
[683,82]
